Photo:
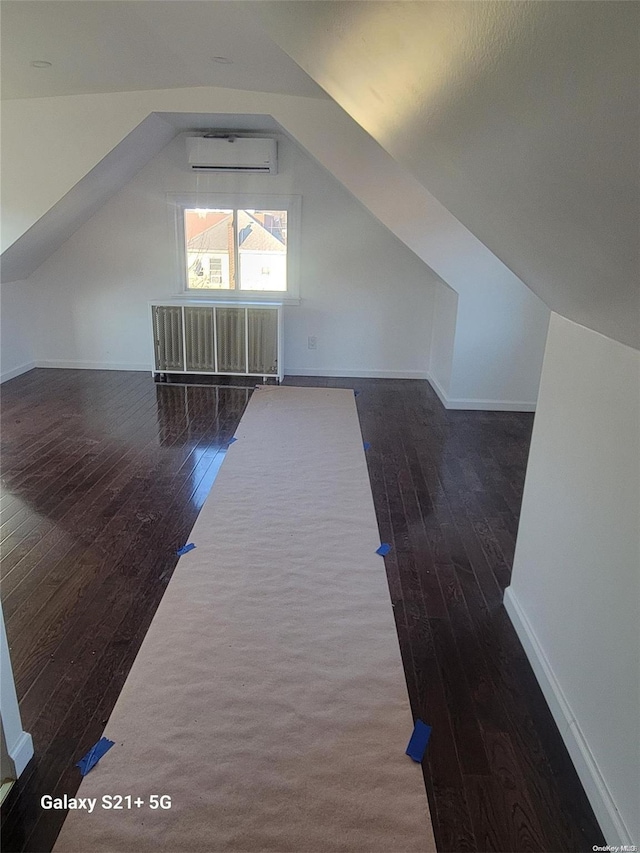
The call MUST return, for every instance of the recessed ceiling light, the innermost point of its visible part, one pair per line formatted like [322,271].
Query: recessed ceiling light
[40,63]
[223,60]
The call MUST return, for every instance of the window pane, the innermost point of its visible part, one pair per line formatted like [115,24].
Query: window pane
[262,249]
[209,248]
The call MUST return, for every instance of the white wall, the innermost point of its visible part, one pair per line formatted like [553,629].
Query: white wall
[18,743]
[18,312]
[366,298]
[85,197]
[501,324]
[575,590]
[498,349]
[52,142]
[445,315]
[522,119]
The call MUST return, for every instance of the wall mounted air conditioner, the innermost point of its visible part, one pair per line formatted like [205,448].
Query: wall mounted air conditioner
[232,154]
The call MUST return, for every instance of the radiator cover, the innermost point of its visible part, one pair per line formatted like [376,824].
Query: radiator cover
[228,338]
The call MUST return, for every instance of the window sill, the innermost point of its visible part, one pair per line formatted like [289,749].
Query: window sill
[245,297]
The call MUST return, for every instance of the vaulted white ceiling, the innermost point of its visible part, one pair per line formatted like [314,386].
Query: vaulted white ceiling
[522,118]
[29,251]
[106,46]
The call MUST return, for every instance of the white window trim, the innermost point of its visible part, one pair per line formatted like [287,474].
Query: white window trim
[179,202]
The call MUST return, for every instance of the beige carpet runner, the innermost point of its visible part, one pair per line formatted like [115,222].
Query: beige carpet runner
[268,700]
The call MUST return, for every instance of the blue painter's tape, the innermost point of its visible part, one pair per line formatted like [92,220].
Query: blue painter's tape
[419,740]
[94,755]
[185,549]
[231,440]
[366,445]
[383,549]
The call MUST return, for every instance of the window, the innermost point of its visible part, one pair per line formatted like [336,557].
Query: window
[236,249]
[236,246]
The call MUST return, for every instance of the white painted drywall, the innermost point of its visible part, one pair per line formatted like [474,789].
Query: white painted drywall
[18,313]
[365,297]
[18,743]
[498,349]
[27,253]
[495,368]
[523,119]
[575,590]
[445,314]
[501,326]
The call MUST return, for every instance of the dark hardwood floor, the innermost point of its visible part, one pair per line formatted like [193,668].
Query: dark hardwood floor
[103,477]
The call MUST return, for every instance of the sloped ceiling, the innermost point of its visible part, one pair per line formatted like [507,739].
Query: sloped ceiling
[106,46]
[25,255]
[29,251]
[103,46]
[522,118]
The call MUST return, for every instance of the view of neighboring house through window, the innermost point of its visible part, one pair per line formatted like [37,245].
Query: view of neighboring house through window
[236,249]
[215,271]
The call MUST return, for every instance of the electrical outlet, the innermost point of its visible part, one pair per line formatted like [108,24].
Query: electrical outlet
[313,342]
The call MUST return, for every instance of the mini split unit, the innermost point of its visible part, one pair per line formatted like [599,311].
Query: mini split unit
[232,154]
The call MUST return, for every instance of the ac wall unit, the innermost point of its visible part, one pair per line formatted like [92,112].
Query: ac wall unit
[232,154]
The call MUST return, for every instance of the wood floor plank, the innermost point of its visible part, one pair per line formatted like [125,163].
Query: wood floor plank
[103,477]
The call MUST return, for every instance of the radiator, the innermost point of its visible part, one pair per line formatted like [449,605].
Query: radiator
[231,339]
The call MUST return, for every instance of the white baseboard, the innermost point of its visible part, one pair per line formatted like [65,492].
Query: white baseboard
[93,365]
[5,788]
[447,402]
[478,405]
[21,752]
[437,387]
[599,795]
[356,373]
[17,371]
[367,374]
[491,405]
